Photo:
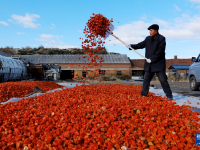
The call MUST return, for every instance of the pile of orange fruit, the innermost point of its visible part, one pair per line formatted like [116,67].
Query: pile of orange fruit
[20,89]
[94,117]
[93,43]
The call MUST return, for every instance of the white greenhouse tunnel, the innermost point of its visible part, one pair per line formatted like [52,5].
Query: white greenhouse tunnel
[11,69]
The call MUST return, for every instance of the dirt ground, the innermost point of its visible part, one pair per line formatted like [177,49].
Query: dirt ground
[182,88]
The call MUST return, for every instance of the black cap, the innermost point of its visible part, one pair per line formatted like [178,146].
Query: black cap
[154,26]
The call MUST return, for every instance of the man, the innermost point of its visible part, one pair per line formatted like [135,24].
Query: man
[156,63]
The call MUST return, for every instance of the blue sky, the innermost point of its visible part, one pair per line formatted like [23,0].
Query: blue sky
[60,23]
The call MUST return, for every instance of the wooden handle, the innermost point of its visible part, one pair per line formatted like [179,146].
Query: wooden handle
[129,47]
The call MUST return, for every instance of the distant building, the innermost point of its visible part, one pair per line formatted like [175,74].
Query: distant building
[177,62]
[137,65]
[113,64]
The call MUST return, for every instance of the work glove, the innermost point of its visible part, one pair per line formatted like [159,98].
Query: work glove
[128,46]
[148,60]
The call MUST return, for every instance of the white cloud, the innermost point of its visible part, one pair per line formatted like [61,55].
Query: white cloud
[80,31]
[177,33]
[20,33]
[195,1]
[61,46]
[162,23]
[53,26]
[183,28]
[48,36]
[177,8]
[144,17]
[49,40]
[4,23]
[184,41]
[26,21]
[130,33]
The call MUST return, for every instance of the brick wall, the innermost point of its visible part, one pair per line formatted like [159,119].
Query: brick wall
[114,65]
[109,69]
[139,63]
[178,71]
[79,72]
[107,72]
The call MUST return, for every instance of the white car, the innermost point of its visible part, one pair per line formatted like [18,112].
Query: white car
[194,74]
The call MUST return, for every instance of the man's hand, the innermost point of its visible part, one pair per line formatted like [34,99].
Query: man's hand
[148,60]
[128,46]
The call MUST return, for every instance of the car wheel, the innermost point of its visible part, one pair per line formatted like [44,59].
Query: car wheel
[193,84]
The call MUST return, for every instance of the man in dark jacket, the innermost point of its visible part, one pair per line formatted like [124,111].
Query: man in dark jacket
[156,63]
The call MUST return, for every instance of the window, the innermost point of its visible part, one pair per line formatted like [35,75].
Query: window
[102,72]
[175,71]
[182,74]
[198,59]
[119,73]
[84,74]
[137,72]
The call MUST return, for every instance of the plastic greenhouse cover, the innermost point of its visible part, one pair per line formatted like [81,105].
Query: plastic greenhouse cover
[12,68]
[36,94]
[18,99]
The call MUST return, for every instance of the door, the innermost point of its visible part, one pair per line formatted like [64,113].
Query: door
[67,74]
[197,69]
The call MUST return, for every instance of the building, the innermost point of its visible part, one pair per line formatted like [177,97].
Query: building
[115,64]
[178,70]
[181,65]
[137,66]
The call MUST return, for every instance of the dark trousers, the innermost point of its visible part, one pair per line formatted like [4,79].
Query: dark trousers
[163,80]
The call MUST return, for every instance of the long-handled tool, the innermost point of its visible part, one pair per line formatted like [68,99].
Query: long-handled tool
[35,90]
[109,32]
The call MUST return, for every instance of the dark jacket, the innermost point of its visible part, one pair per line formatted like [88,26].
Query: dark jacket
[155,51]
